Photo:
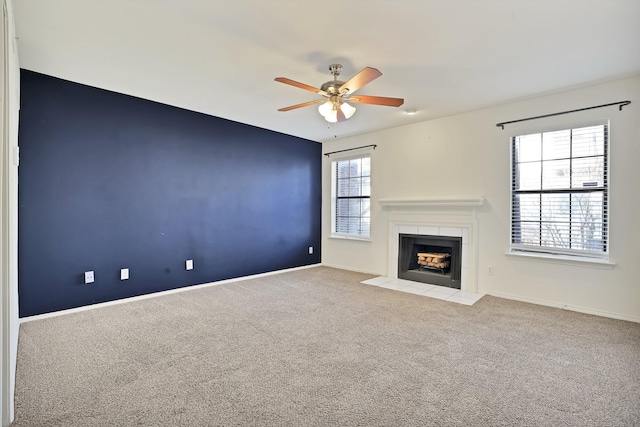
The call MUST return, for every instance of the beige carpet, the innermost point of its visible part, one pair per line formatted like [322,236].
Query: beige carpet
[316,347]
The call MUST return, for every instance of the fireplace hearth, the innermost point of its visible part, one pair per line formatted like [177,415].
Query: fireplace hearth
[434,260]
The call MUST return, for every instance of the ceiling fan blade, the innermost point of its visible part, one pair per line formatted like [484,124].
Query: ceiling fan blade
[365,76]
[300,85]
[376,100]
[304,104]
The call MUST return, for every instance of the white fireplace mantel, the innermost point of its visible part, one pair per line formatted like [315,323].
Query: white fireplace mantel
[433,203]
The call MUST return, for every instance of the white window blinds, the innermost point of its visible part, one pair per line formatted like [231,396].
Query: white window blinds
[352,193]
[559,197]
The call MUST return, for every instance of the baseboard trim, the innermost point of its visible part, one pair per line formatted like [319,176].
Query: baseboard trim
[566,307]
[355,270]
[159,294]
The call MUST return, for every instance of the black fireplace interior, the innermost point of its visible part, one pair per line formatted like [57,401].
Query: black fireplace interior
[408,268]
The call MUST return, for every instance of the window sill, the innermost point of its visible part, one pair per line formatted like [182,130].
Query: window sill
[344,237]
[563,259]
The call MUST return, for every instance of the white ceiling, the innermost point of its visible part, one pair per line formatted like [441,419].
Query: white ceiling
[220,57]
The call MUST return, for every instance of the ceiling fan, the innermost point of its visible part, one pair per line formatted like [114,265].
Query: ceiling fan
[338,94]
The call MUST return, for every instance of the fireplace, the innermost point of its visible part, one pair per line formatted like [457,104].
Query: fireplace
[436,260]
[452,217]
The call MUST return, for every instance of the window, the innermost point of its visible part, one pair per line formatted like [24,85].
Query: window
[351,197]
[559,192]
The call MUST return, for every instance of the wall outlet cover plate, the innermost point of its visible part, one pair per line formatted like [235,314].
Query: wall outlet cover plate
[89,277]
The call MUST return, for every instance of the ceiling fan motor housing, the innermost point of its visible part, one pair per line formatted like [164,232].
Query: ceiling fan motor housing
[332,86]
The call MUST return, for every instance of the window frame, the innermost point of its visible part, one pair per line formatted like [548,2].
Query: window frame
[335,197]
[561,254]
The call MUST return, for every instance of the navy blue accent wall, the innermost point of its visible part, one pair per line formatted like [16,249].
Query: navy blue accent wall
[109,181]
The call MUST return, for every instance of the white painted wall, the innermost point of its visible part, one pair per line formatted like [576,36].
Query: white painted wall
[467,156]
[9,104]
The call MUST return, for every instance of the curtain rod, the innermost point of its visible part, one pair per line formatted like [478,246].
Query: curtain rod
[349,149]
[620,103]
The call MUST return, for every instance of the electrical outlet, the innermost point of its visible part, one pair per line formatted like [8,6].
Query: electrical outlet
[189,264]
[89,277]
[124,274]
[310,250]
[490,271]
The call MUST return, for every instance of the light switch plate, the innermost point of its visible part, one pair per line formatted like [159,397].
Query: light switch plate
[124,274]
[189,264]
[310,250]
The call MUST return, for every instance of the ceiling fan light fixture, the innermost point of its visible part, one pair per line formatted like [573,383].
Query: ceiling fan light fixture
[332,116]
[329,110]
[325,108]
[347,110]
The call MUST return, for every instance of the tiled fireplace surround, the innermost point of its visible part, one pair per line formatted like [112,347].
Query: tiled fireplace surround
[436,217]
